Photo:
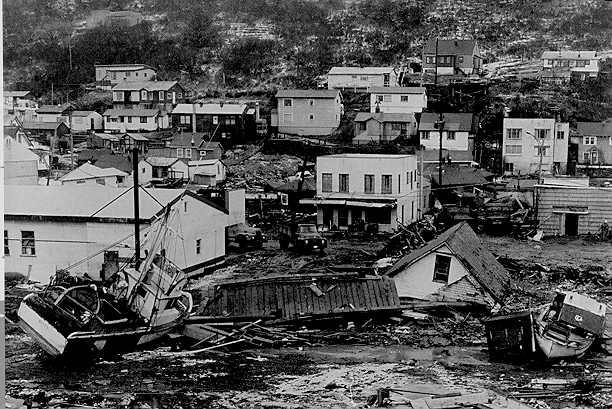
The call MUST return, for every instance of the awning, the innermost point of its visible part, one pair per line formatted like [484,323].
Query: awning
[333,202]
[310,201]
[369,204]
[571,210]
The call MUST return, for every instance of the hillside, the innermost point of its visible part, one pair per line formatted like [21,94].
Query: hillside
[269,43]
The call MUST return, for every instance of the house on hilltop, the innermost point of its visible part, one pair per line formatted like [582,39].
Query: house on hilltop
[454,267]
[458,131]
[562,66]
[383,127]
[594,141]
[361,78]
[162,95]
[308,112]
[109,75]
[454,57]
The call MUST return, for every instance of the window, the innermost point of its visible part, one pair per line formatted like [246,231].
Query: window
[404,98]
[586,156]
[580,63]
[6,244]
[28,245]
[368,183]
[198,246]
[387,98]
[560,134]
[326,182]
[78,120]
[379,98]
[143,95]
[287,102]
[311,102]
[287,117]
[120,180]
[594,157]
[363,78]
[542,133]
[361,126]
[143,119]
[441,269]
[460,58]
[509,167]
[311,117]
[514,150]
[450,135]
[550,62]
[101,181]
[188,153]
[424,134]
[128,74]
[179,95]
[396,126]
[429,60]
[513,133]
[542,150]
[179,152]
[230,120]
[589,140]
[129,119]
[215,120]
[145,75]
[121,119]
[343,185]
[118,96]
[185,206]
[161,95]
[399,183]
[185,119]
[386,184]
[169,95]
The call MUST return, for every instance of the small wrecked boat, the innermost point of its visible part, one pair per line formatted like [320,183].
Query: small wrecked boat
[569,326]
[136,305]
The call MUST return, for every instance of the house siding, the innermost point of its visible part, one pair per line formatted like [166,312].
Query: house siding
[83,123]
[360,81]
[603,149]
[460,143]
[553,202]
[416,280]
[326,113]
[466,289]
[415,103]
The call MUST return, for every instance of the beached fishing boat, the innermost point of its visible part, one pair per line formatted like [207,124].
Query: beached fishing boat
[136,305]
[570,325]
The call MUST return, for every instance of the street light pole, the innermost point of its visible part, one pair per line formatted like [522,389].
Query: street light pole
[541,153]
[440,125]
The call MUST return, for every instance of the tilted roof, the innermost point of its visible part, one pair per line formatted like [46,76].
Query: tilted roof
[471,252]
[452,121]
[82,113]
[89,171]
[452,47]
[397,90]
[210,109]
[123,67]
[146,85]
[384,117]
[15,94]
[131,112]
[50,126]
[307,93]
[360,70]
[53,109]
[104,159]
[137,137]
[595,128]
[160,161]
[569,55]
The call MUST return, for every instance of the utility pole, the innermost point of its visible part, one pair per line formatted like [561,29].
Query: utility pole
[440,124]
[51,93]
[436,62]
[136,204]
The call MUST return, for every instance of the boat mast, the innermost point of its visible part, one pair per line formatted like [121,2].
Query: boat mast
[136,204]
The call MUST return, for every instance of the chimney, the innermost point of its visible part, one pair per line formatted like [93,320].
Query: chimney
[257,111]
[193,118]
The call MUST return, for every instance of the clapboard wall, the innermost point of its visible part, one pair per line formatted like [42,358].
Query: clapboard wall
[592,204]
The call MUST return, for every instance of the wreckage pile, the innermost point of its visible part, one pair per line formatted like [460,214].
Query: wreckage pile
[253,173]
[406,238]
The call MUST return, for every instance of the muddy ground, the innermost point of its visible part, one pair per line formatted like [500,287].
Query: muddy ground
[331,376]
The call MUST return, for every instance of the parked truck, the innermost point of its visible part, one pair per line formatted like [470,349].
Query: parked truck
[301,236]
[245,236]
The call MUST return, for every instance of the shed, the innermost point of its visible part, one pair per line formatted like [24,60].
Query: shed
[455,266]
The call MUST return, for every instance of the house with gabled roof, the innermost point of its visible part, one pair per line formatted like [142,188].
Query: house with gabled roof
[105,159]
[454,57]
[162,95]
[454,267]
[55,113]
[20,104]
[361,78]
[84,121]
[188,145]
[152,170]
[135,120]
[226,123]
[56,231]
[20,163]
[562,66]
[400,100]
[594,141]
[458,131]
[91,175]
[308,112]
[109,75]
[48,133]
[383,127]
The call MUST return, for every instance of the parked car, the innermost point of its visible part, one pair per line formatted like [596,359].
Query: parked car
[245,236]
[303,236]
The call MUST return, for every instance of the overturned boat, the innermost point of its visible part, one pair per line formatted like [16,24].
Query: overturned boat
[569,326]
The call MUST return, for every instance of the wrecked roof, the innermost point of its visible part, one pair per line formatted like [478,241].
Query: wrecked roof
[471,252]
[461,176]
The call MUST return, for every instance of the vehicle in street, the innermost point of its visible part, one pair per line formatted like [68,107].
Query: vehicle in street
[302,237]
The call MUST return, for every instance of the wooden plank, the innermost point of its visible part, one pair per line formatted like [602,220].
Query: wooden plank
[298,299]
[355,294]
[378,294]
[274,301]
[259,293]
[327,299]
[250,300]
[364,300]
[285,302]
[372,294]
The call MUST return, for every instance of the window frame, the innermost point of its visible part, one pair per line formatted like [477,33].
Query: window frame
[198,246]
[386,184]
[7,247]
[27,245]
[442,262]
[514,133]
[327,182]
[288,102]
[343,183]
[369,183]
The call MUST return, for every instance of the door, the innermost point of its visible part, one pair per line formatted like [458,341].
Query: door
[92,124]
[343,218]
[571,224]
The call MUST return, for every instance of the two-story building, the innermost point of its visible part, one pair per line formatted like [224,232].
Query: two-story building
[53,134]
[226,123]
[20,104]
[458,131]
[594,141]
[527,142]
[54,113]
[308,112]
[376,188]
[109,75]
[162,95]
[451,57]
[157,170]
[361,78]
[383,127]
[83,121]
[562,66]
[398,100]
[135,120]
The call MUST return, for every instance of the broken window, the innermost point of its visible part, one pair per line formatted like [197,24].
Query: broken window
[441,269]
[450,135]
[28,245]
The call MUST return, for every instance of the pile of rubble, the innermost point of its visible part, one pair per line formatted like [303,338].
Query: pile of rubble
[255,172]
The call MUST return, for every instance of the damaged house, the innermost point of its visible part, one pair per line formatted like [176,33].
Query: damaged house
[454,267]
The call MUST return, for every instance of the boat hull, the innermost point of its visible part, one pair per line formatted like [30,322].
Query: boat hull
[572,345]
[41,331]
